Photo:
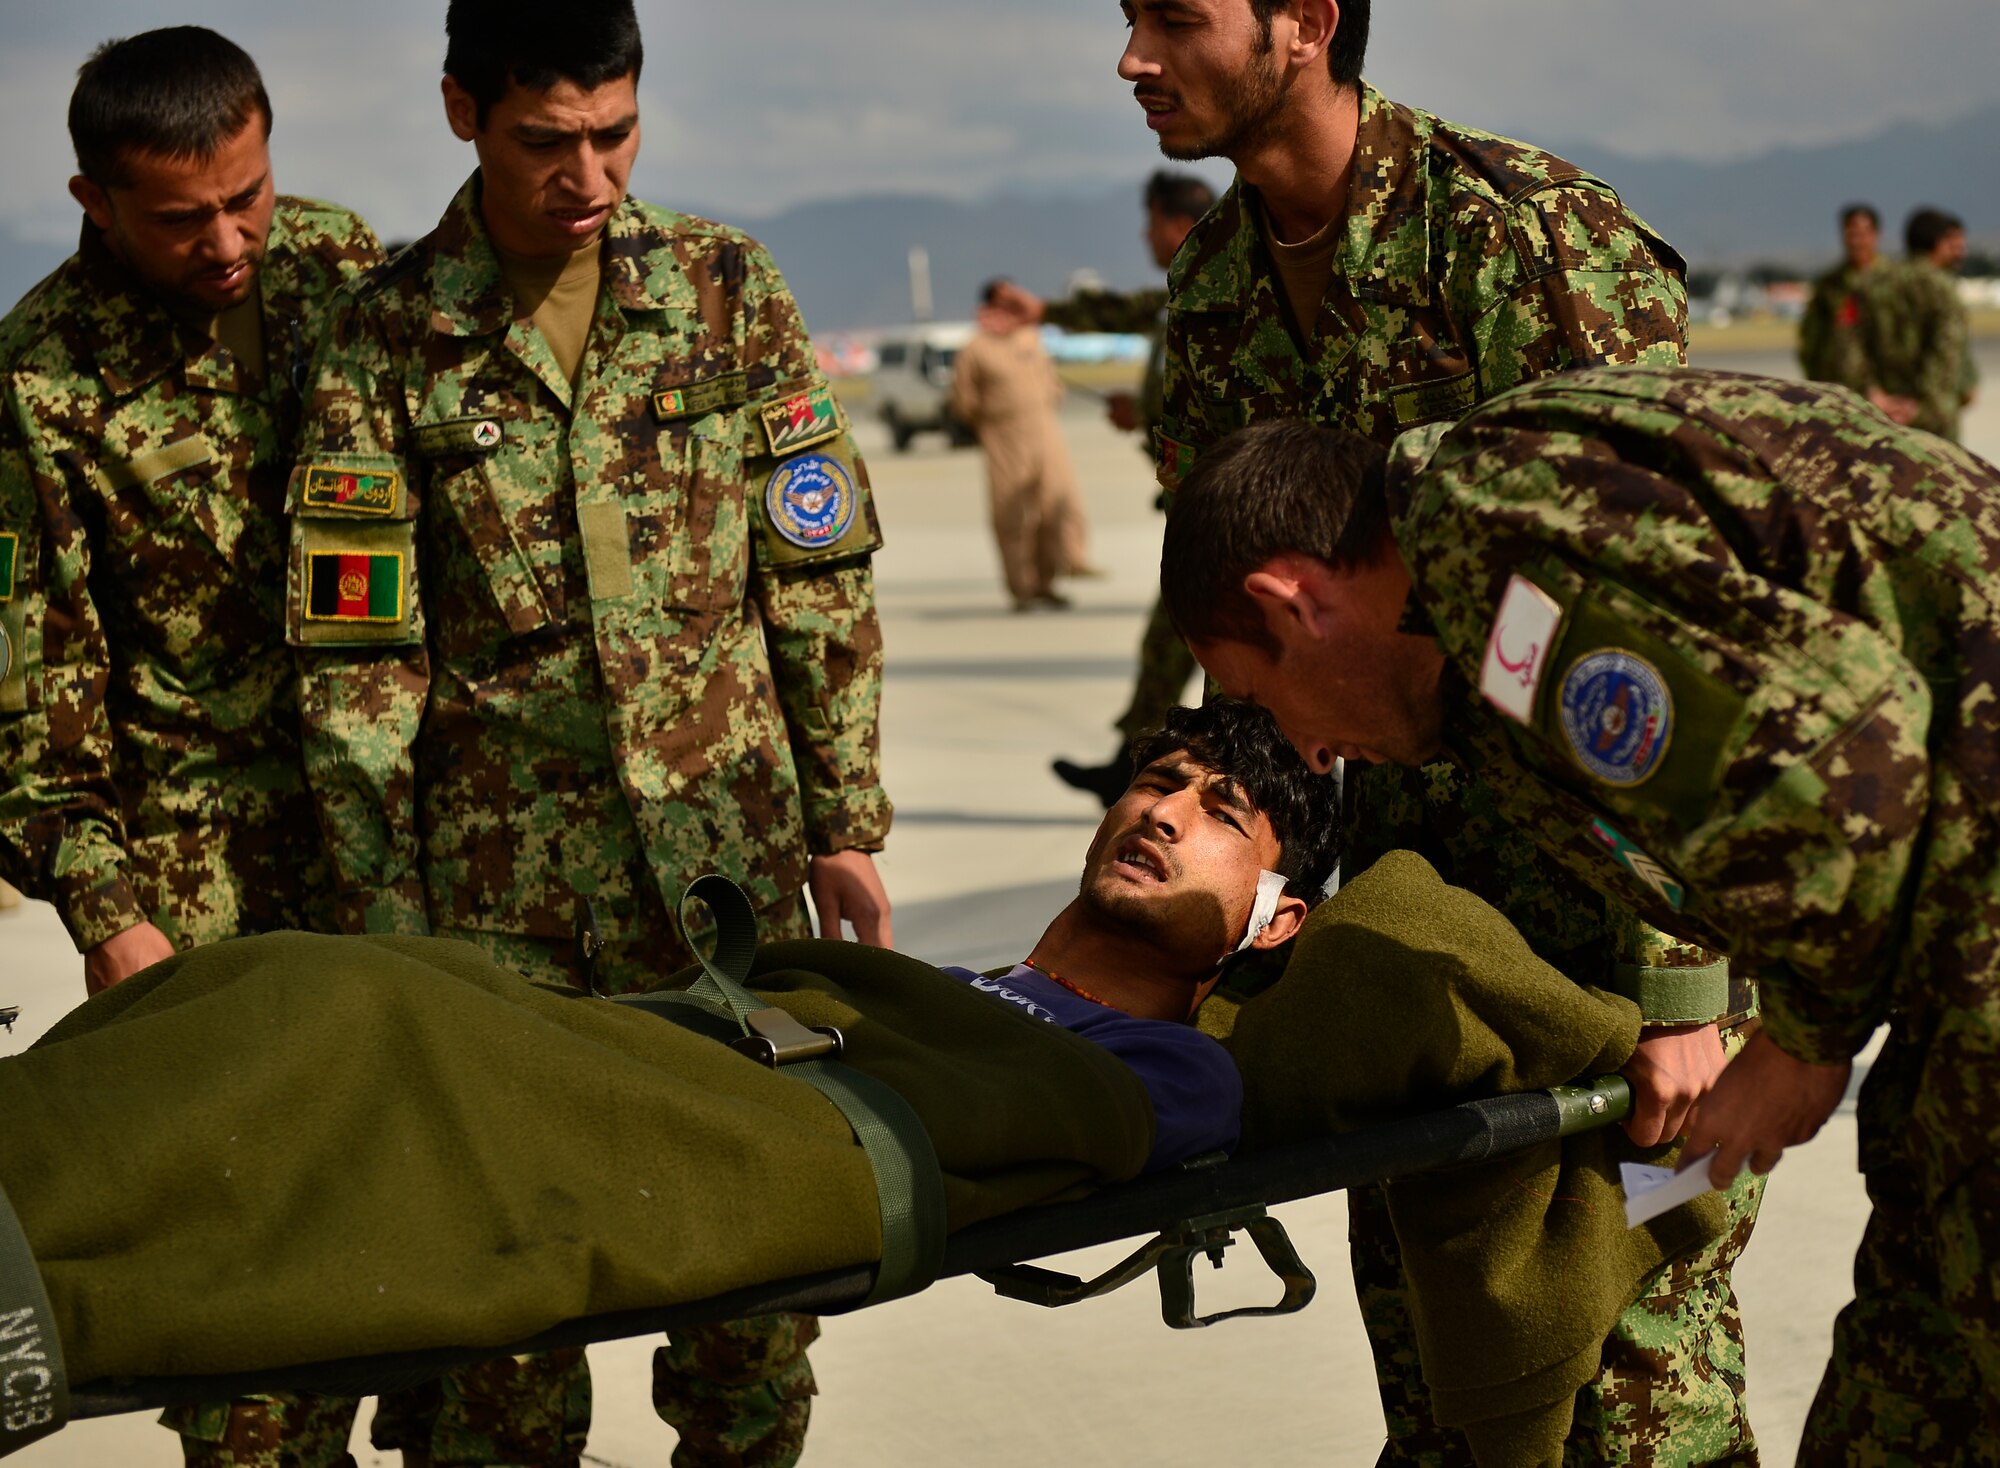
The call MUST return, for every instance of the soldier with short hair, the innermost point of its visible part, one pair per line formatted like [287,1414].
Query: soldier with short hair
[1830,330]
[148,709]
[581,589]
[1728,649]
[1376,268]
[1915,335]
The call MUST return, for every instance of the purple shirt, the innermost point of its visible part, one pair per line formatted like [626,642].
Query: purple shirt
[1196,1090]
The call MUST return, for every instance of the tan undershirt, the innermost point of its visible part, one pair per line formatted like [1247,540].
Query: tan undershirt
[240,329]
[561,297]
[1305,270]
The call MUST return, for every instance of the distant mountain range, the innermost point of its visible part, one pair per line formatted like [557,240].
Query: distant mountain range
[847,259]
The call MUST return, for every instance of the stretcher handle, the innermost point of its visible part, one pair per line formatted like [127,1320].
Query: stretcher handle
[1171,1257]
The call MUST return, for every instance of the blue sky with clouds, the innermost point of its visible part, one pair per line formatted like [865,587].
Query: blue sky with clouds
[749,108]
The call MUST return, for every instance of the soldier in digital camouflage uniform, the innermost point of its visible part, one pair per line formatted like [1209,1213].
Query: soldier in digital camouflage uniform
[580,582]
[1830,330]
[1174,201]
[148,712]
[1728,649]
[1396,275]
[1915,336]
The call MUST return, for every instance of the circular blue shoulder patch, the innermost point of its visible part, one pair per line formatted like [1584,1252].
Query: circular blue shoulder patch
[811,501]
[1618,716]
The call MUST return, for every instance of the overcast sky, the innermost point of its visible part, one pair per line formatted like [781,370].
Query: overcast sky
[751,107]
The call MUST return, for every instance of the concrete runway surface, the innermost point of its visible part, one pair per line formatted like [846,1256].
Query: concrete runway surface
[986,849]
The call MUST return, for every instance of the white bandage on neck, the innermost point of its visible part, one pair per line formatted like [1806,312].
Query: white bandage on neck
[1270,887]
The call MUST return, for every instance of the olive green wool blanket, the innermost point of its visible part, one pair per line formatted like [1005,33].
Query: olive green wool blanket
[1404,995]
[292,1148]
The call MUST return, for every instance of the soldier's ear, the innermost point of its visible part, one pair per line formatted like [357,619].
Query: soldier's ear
[460,110]
[96,203]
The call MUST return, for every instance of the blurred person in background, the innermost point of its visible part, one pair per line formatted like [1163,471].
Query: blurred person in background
[1915,334]
[1829,333]
[1005,388]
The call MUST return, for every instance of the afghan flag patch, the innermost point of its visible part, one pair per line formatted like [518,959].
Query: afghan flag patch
[800,422]
[356,492]
[10,546]
[354,586]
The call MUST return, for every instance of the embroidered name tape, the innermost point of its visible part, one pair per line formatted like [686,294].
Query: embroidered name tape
[1518,649]
[1639,864]
[710,395]
[811,501]
[354,586]
[1447,397]
[357,492]
[10,551]
[1617,715]
[800,422]
[457,436]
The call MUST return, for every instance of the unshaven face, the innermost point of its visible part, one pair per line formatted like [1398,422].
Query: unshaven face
[1178,856]
[1207,76]
[1345,682]
[194,229]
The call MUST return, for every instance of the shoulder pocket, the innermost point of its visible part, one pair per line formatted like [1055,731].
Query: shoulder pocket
[814,508]
[352,578]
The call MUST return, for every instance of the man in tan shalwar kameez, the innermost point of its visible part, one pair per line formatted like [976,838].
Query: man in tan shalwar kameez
[1005,388]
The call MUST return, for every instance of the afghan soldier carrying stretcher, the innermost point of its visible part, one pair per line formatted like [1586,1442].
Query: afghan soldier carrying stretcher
[1727,648]
[148,711]
[1374,268]
[580,582]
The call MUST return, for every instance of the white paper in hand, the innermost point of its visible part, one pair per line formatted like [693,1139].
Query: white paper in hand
[1651,1191]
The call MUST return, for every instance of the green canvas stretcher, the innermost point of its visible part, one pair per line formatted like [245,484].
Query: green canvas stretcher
[212,1252]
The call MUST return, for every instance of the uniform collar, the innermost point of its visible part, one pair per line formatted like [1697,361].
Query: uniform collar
[470,295]
[133,337]
[1385,253]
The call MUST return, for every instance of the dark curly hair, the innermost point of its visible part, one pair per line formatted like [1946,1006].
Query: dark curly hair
[1241,742]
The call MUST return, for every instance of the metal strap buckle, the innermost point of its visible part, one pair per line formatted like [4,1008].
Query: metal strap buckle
[777,1039]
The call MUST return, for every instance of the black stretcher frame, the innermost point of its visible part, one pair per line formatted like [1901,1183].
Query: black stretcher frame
[1165,1203]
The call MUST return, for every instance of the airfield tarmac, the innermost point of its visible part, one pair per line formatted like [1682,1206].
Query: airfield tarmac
[985,850]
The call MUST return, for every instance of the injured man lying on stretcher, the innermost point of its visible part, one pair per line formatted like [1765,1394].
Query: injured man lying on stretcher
[292,1150]
[296,1147]
[1218,847]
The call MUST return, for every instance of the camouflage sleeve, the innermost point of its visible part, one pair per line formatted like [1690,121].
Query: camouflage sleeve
[819,615]
[1565,279]
[61,837]
[1784,775]
[1184,428]
[1941,366]
[1134,313]
[363,680]
[1815,331]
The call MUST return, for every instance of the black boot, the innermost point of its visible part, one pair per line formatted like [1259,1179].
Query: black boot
[1107,782]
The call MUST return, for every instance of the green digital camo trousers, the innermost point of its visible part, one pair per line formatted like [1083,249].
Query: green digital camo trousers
[738,1393]
[1914,1380]
[1165,665]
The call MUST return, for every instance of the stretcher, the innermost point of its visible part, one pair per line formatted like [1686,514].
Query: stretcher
[1191,1211]
[1197,1209]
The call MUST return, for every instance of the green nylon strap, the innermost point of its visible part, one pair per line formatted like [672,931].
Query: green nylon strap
[909,1185]
[1675,996]
[34,1387]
